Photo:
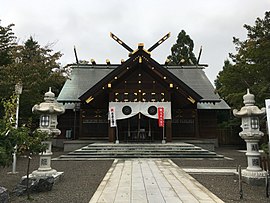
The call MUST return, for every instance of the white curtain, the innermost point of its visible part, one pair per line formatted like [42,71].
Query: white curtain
[140,107]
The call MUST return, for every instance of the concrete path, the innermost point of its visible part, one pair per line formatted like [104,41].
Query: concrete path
[150,181]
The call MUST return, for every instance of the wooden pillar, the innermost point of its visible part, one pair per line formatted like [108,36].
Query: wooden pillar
[168,130]
[80,125]
[111,132]
[196,118]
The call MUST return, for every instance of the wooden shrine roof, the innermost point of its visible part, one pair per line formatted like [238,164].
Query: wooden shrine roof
[87,79]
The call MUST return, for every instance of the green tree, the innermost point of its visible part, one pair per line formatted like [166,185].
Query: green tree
[27,142]
[226,84]
[249,67]
[32,144]
[182,51]
[8,138]
[7,42]
[37,68]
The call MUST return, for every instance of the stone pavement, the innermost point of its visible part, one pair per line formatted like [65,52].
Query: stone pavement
[150,181]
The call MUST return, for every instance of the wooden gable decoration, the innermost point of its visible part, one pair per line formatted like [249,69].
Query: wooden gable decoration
[140,59]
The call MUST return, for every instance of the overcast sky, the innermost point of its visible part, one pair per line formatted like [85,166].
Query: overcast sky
[87,23]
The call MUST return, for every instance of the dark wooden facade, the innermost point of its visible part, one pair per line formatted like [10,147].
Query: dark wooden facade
[142,79]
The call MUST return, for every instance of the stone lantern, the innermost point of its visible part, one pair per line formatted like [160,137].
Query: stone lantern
[48,110]
[251,133]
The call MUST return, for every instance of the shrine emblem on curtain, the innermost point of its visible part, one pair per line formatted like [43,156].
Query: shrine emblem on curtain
[124,110]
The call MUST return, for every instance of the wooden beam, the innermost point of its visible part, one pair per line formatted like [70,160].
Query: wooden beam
[159,42]
[121,42]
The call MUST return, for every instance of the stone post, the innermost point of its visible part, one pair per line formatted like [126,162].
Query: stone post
[251,133]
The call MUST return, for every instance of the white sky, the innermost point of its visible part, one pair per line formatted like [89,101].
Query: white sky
[87,24]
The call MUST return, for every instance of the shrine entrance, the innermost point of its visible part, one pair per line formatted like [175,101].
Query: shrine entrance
[137,121]
[139,128]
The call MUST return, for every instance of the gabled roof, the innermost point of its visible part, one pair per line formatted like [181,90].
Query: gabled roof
[197,80]
[141,56]
[87,80]
[83,78]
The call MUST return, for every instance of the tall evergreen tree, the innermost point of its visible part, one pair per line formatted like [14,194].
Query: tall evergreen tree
[249,67]
[7,42]
[225,84]
[182,51]
[36,67]
[35,70]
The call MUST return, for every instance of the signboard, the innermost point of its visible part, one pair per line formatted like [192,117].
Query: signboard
[267,105]
[112,117]
[161,117]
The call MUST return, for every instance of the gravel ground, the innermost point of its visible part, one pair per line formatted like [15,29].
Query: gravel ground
[79,183]
[226,187]
[82,178]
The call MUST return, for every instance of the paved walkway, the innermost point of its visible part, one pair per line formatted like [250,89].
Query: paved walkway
[150,181]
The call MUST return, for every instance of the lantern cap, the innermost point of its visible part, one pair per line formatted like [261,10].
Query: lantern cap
[249,99]
[49,96]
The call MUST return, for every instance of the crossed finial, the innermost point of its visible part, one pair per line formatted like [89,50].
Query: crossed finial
[149,50]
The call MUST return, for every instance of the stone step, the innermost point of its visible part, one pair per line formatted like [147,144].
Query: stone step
[142,152]
[104,150]
[101,156]
[140,145]
[139,148]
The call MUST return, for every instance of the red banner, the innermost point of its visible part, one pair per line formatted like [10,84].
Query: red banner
[161,117]
[112,117]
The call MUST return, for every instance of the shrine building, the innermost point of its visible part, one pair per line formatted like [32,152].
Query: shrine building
[135,90]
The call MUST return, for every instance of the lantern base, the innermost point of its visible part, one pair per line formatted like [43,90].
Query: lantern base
[55,174]
[256,178]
